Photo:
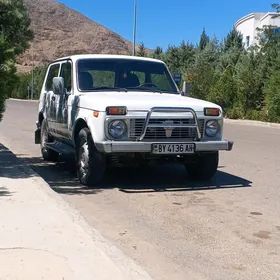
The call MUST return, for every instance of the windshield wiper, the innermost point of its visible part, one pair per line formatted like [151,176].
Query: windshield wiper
[157,90]
[146,89]
[110,88]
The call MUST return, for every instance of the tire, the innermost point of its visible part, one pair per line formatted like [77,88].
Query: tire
[47,154]
[204,166]
[90,164]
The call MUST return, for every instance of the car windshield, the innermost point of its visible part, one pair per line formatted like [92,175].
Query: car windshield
[124,74]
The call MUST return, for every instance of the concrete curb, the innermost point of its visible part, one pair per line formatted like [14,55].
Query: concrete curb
[252,123]
[226,120]
[123,262]
[24,100]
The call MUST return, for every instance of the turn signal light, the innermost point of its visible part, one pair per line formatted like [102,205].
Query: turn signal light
[116,110]
[211,112]
[95,114]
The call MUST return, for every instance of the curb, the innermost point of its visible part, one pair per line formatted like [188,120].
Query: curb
[122,261]
[226,120]
[253,123]
[24,100]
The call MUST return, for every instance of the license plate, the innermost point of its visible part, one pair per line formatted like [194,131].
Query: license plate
[167,148]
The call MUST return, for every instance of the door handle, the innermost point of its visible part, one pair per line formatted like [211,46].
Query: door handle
[53,98]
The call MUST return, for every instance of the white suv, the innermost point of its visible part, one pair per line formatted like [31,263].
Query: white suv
[110,109]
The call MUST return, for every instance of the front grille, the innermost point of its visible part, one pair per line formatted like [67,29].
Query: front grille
[136,128]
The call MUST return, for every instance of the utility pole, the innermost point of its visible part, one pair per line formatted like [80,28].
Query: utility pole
[134,29]
[32,82]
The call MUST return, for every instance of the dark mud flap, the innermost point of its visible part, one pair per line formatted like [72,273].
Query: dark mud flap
[230,145]
[38,136]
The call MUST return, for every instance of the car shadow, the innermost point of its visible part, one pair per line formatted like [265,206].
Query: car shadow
[11,166]
[170,178]
[61,176]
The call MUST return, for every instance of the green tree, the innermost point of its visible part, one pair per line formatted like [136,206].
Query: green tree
[142,51]
[15,36]
[173,59]
[276,6]
[233,40]
[187,55]
[250,84]
[25,79]
[204,40]
[223,90]
[268,49]
[202,73]
[158,51]
[272,94]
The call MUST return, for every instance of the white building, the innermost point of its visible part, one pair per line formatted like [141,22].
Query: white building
[247,25]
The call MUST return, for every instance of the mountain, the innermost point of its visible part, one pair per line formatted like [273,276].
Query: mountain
[61,31]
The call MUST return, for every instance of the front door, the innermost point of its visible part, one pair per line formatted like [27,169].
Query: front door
[61,102]
[51,97]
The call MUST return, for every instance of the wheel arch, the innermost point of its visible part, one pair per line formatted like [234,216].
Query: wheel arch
[40,118]
[78,126]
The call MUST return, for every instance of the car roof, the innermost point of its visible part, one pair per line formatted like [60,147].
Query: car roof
[74,58]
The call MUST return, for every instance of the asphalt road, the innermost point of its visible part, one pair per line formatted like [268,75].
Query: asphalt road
[226,229]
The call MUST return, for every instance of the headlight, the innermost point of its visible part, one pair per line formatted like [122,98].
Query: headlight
[117,128]
[212,128]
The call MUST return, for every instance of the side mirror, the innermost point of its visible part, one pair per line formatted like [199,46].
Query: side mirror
[58,85]
[186,89]
[177,78]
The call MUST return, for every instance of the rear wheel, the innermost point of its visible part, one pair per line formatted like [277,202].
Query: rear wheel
[204,166]
[91,164]
[47,153]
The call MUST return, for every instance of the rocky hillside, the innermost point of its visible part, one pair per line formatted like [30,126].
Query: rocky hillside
[61,31]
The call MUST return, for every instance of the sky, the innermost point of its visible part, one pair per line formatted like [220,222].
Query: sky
[166,22]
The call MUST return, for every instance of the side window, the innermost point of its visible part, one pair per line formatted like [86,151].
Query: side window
[53,72]
[66,74]
[248,41]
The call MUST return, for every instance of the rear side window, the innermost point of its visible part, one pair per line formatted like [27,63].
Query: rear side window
[53,72]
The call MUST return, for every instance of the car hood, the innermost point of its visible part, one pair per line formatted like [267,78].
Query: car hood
[140,101]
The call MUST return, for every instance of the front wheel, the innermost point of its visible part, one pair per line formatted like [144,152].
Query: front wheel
[91,164]
[204,166]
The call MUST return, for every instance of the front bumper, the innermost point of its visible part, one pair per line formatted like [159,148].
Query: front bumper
[146,147]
